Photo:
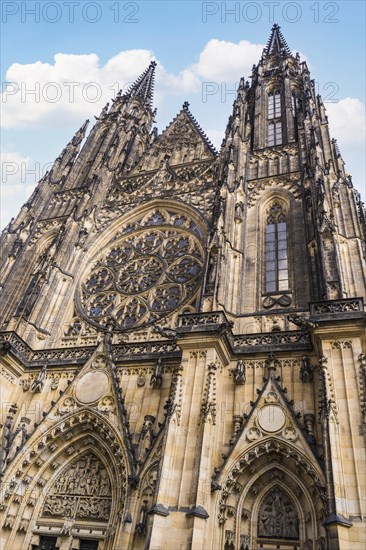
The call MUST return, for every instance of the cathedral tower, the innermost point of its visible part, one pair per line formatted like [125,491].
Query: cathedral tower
[183,332]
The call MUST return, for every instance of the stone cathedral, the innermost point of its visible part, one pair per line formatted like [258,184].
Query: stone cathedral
[183,332]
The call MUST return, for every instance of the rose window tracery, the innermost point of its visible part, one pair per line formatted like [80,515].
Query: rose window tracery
[148,273]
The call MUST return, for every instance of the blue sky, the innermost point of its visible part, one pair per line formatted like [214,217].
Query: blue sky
[202,49]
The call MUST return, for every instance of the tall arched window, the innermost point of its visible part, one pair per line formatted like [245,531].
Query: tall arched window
[276,259]
[274,135]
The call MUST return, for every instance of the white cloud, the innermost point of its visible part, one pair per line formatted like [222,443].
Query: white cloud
[38,94]
[223,61]
[347,120]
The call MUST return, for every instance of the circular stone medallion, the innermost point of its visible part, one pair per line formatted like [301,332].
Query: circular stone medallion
[92,386]
[271,418]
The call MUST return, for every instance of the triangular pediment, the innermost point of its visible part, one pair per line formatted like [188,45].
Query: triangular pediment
[272,423]
[183,140]
[93,393]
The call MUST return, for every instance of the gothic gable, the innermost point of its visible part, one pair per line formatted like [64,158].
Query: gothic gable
[183,141]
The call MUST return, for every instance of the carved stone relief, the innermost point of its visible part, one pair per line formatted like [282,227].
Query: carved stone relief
[277,516]
[82,491]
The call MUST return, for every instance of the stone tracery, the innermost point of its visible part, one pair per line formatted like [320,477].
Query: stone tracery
[148,273]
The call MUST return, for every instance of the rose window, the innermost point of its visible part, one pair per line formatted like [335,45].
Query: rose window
[146,275]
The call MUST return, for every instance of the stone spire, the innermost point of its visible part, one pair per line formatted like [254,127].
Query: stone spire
[66,159]
[276,43]
[143,87]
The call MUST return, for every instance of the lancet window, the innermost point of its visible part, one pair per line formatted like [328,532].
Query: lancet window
[276,255]
[274,130]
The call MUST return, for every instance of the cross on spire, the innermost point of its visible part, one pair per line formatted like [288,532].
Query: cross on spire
[276,42]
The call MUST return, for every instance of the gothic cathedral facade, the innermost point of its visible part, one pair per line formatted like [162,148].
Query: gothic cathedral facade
[183,332]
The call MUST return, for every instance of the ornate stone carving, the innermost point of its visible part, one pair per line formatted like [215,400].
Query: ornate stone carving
[362,386]
[309,421]
[106,404]
[38,383]
[254,434]
[146,437]
[350,305]
[67,406]
[244,542]
[156,379]
[19,437]
[239,373]
[141,526]
[209,406]
[283,300]
[301,321]
[277,516]
[290,433]
[26,383]
[341,344]
[306,370]
[282,340]
[238,422]
[82,491]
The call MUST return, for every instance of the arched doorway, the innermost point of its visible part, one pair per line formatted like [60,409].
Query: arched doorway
[272,498]
[78,499]
[71,487]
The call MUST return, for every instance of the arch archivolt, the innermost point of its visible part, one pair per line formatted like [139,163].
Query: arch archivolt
[41,495]
[246,483]
[280,196]
[140,215]
[261,190]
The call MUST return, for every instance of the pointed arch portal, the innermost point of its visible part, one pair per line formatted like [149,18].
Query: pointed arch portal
[71,484]
[272,499]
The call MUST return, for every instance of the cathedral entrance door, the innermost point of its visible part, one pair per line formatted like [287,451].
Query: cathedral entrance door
[88,545]
[46,543]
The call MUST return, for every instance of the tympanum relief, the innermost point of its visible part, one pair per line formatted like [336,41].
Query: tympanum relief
[82,491]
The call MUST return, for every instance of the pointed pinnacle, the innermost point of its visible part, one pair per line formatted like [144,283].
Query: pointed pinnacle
[143,87]
[80,134]
[276,42]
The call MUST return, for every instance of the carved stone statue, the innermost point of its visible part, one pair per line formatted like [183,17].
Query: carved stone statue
[141,526]
[165,331]
[20,436]
[146,437]
[239,212]
[156,379]
[39,382]
[271,361]
[301,321]
[306,370]
[239,373]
